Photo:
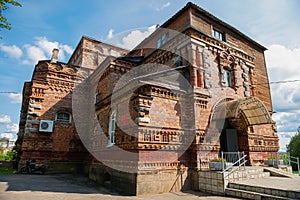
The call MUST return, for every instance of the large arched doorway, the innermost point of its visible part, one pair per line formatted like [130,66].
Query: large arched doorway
[235,119]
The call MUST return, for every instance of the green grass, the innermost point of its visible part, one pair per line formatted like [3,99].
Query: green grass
[6,170]
[295,172]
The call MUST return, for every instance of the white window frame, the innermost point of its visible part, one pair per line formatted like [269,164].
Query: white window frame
[112,128]
[63,120]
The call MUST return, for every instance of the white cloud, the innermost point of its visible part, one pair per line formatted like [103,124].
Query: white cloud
[42,50]
[10,136]
[282,59]
[10,132]
[12,51]
[135,37]
[287,121]
[283,65]
[110,34]
[4,119]
[163,6]
[129,39]
[284,140]
[12,128]
[34,54]
[69,50]
[15,97]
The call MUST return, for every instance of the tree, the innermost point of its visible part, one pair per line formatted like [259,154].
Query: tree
[4,6]
[4,139]
[294,146]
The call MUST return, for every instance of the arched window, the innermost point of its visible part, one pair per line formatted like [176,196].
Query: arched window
[111,128]
[63,117]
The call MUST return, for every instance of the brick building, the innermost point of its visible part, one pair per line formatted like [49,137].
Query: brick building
[46,130]
[161,112]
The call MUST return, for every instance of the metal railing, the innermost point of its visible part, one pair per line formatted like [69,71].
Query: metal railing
[295,160]
[235,158]
[232,156]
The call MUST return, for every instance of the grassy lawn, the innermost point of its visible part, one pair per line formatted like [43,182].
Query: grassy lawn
[6,170]
[295,172]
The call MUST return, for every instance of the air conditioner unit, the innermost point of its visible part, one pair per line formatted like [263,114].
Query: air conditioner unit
[46,126]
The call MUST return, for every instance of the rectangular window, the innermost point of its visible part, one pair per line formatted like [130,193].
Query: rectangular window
[97,98]
[63,117]
[111,128]
[163,39]
[218,35]
[178,59]
[158,43]
[228,78]
[147,137]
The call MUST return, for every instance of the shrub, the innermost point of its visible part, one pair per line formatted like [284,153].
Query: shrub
[9,156]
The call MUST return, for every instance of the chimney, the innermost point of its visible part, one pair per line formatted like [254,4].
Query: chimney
[54,56]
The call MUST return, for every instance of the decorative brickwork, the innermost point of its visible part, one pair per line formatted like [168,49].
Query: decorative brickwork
[169,119]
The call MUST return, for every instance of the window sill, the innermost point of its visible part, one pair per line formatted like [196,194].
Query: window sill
[66,122]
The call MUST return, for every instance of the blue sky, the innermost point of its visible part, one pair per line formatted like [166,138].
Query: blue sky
[38,26]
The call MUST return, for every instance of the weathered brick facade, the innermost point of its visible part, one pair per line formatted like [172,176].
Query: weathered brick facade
[48,93]
[193,88]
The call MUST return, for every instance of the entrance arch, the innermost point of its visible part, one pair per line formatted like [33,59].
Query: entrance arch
[234,119]
[250,109]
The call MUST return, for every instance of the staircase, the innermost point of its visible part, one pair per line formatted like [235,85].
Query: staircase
[247,191]
[256,183]
[246,173]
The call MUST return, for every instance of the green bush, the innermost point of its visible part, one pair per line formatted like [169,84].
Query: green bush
[9,156]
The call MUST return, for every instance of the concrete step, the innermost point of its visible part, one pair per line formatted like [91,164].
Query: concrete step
[247,173]
[265,190]
[252,195]
[244,176]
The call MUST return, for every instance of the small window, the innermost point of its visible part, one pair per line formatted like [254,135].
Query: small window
[147,137]
[227,78]
[219,35]
[163,39]
[158,43]
[63,117]
[165,138]
[178,59]
[111,128]
[97,97]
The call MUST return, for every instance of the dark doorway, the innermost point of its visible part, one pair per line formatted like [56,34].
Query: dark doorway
[107,177]
[228,138]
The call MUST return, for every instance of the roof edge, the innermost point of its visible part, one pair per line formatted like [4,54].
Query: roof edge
[192,5]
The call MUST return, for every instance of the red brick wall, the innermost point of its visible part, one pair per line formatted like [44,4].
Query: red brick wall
[260,78]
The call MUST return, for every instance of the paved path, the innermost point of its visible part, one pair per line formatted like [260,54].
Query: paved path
[281,183]
[64,187]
